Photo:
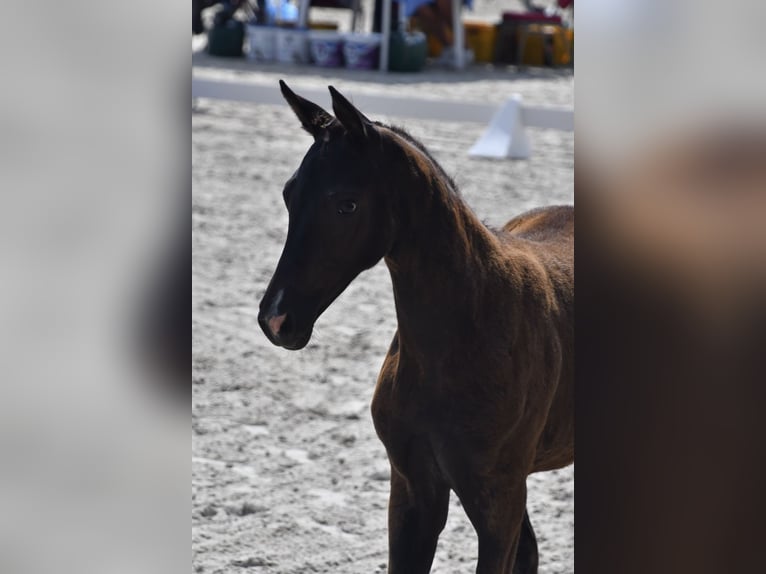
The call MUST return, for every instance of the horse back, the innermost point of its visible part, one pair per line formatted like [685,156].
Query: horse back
[543,224]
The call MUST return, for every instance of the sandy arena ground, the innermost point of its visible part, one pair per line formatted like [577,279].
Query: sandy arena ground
[288,475]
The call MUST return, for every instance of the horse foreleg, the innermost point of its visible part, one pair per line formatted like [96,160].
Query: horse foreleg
[496,508]
[417,513]
[526,553]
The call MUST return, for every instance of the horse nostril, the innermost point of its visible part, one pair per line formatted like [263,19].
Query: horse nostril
[277,325]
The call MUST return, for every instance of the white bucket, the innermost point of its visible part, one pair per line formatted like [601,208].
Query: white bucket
[292,46]
[362,51]
[326,48]
[262,43]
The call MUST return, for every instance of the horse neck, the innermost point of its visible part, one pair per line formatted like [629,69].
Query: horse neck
[442,258]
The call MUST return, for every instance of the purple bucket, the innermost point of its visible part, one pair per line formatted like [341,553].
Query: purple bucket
[362,51]
[326,48]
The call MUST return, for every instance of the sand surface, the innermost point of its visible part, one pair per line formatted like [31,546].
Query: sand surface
[288,475]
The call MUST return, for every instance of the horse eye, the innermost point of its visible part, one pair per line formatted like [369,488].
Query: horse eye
[346,206]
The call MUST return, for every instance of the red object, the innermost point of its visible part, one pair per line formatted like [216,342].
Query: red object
[565,3]
[530,17]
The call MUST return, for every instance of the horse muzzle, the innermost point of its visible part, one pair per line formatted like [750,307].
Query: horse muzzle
[282,326]
[281,331]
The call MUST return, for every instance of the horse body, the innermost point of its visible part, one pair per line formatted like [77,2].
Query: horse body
[476,391]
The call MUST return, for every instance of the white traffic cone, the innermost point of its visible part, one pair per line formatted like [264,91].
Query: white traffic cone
[505,136]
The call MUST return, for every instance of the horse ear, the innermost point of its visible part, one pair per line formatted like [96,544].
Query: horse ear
[355,122]
[313,118]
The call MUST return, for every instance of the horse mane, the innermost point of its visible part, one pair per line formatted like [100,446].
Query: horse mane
[466,224]
[417,144]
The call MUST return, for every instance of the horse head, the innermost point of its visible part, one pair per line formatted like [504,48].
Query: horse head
[340,218]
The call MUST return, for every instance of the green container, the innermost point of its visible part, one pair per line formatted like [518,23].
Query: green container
[226,40]
[407,51]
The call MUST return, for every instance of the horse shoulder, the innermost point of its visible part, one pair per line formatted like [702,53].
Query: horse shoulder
[381,398]
[403,417]
[386,413]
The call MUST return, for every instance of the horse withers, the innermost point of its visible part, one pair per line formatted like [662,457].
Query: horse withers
[476,391]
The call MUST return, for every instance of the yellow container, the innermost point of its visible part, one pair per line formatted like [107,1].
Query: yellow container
[480,37]
[548,45]
[534,46]
[567,57]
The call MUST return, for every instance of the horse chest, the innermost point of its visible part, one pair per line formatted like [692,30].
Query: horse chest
[425,428]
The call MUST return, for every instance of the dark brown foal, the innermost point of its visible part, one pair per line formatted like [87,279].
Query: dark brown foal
[476,391]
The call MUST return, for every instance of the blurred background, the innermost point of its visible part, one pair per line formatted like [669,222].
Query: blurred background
[671,189]
[94,220]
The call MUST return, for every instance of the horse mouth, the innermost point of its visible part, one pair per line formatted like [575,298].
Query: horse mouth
[298,343]
[286,335]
